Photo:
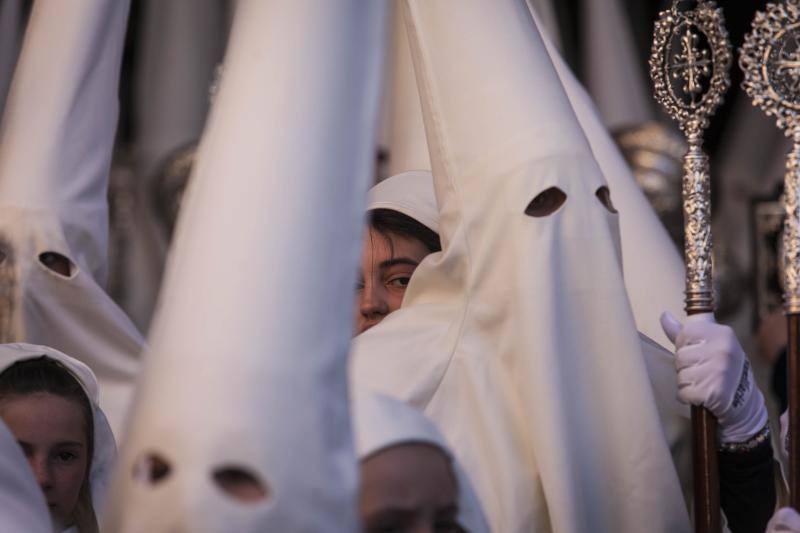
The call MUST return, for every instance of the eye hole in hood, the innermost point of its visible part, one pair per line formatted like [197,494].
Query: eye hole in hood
[57,263]
[151,469]
[604,195]
[546,203]
[240,484]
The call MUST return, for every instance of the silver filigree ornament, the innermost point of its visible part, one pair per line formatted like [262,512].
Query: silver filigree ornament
[689,65]
[770,60]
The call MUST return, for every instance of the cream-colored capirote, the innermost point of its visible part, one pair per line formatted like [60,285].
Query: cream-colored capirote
[22,503]
[105,449]
[653,268]
[381,422]
[56,139]
[518,339]
[647,251]
[247,365]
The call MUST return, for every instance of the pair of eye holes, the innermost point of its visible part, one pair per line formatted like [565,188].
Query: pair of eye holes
[550,200]
[237,482]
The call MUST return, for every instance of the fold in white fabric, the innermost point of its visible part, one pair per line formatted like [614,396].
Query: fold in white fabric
[246,374]
[518,339]
[56,139]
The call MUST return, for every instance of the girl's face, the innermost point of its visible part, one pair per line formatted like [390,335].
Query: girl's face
[52,433]
[387,263]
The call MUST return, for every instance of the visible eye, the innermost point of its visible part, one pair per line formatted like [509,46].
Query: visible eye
[2,256]
[399,282]
[66,457]
[151,469]
[604,195]
[240,484]
[57,263]
[546,203]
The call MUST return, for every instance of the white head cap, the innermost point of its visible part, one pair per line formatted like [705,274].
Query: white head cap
[22,503]
[410,193]
[246,375]
[519,341]
[105,449]
[56,140]
[381,422]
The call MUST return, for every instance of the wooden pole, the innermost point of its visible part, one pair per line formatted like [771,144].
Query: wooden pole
[793,322]
[706,471]
[699,300]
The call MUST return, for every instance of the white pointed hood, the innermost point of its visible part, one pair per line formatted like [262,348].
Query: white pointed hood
[647,250]
[648,253]
[518,339]
[381,422]
[56,139]
[247,366]
[22,503]
[406,143]
[105,448]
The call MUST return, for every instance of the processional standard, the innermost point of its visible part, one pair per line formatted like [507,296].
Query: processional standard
[770,59]
[689,65]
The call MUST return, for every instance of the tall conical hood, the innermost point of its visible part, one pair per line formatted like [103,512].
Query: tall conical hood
[60,119]
[56,139]
[518,339]
[406,143]
[646,247]
[647,250]
[245,381]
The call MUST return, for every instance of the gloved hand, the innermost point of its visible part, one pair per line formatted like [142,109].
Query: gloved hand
[713,372]
[785,520]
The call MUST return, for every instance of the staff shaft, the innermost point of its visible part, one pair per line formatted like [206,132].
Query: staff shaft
[793,323]
[699,299]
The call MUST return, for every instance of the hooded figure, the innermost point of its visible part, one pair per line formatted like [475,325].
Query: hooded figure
[104,447]
[532,366]
[56,139]
[381,422]
[241,422]
[22,506]
[646,246]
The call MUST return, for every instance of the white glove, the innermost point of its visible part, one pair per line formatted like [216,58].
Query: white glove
[785,520]
[713,372]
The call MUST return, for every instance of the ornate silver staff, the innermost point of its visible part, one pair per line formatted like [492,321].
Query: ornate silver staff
[770,59]
[689,65]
